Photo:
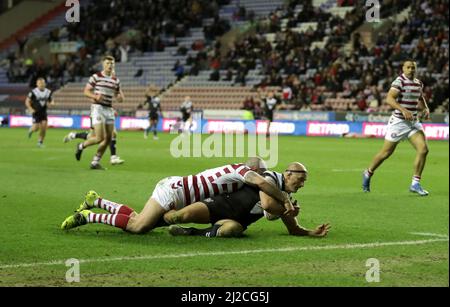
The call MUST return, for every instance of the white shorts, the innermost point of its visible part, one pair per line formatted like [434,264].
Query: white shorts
[169,193]
[102,115]
[399,129]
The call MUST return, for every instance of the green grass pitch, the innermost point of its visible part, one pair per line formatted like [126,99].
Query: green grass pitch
[40,187]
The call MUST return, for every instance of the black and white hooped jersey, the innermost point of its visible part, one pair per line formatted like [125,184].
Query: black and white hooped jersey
[186,107]
[39,99]
[154,104]
[278,180]
[275,178]
[270,104]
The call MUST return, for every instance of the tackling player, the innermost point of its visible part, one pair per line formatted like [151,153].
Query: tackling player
[176,193]
[230,214]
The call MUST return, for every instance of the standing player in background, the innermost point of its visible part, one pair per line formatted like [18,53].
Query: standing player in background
[406,97]
[186,109]
[101,88]
[270,103]
[115,159]
[154,111]
[36,103]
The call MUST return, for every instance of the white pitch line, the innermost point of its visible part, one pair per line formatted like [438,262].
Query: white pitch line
[354,170]
[347,170]
[429,234]
[223,253]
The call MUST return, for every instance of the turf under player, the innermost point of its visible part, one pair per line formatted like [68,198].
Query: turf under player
[406,97]
[36,102]
[101,88]
[176,193]
[230,214]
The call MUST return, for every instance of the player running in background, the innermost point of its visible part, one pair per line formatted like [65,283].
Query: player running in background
[115,159]
[230,214]
[101,88]
[186,109]
[406,97]
[176,193]
[36,102]
[154,112]
[270,103]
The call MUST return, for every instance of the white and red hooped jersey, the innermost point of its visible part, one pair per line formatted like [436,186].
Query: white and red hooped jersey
[410,93]
[224,179]
[108,86]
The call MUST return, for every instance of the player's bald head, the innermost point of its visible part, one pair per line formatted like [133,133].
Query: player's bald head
[295,176]
[256,164]
[296,167]
[409,68]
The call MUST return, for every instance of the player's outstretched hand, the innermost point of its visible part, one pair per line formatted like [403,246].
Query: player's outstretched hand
[321,230]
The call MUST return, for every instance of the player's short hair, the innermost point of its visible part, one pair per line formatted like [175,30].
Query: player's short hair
[40,78]
[408,60]
[108,58]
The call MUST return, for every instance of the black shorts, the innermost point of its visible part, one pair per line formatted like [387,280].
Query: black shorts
[220,209]
[153,116]
[39,117]
[269,116]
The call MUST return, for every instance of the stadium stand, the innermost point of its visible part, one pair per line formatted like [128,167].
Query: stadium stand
[152,68]
[22,20]
[321,86]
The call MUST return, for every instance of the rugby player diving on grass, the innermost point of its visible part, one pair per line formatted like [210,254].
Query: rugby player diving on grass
[175,193]
[231,213]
